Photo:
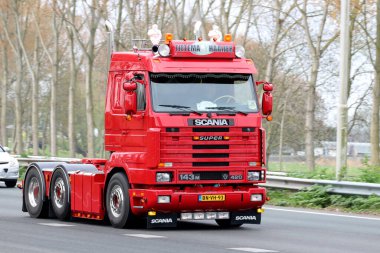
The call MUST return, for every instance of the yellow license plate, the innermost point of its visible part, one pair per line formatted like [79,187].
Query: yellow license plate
[212,197]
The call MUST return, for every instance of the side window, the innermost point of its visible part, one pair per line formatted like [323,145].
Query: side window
[141,99]
[117,93]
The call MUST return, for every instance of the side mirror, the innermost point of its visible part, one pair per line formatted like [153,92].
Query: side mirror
[267,86]
[267,103]
[130,98]
[6,149]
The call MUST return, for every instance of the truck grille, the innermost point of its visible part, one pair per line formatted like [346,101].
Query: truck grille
[228,149]
[210,129]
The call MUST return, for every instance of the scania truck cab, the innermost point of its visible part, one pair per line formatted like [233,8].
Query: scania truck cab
[183,128]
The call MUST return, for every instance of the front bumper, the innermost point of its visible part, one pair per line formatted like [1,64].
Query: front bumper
[189,200]
[7,173]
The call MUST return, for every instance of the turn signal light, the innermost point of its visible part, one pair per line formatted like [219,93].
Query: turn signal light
[168,38]
[269,118]
[165,165]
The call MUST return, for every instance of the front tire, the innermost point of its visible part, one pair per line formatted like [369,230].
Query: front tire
[117,201]
[11,183]
[59,195]
[36,207]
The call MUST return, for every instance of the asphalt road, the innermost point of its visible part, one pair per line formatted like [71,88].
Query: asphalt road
[282,230]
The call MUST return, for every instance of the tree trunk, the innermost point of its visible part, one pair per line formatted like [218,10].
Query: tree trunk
[3,115]
[72,85]
[282,124]
[19,73]
[310,110]
[53,91]
[118,25]
[35,97]
[89,109]
[375,160]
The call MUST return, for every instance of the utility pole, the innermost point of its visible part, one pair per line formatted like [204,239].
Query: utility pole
[341,148]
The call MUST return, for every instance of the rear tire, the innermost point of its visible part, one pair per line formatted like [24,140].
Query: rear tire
[11,183]
[36,207]
[117,202]
[227,224]
[59,195]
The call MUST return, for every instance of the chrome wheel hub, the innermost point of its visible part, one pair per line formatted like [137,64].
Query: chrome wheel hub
[34,192]
[116,201]
[59,192]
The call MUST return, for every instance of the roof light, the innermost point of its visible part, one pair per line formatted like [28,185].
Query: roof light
[228,37]
[164,50]
[154,35]
[168,38]
[239,51]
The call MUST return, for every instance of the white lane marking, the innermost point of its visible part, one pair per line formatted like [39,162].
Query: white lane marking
[56,224]
[254,250]
[326,214]
[145,236]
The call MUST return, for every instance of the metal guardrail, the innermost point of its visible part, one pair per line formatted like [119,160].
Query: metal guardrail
[341,187]
[274,179]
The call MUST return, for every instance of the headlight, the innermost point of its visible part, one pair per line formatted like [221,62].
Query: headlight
[256,197]
[254,175]
[164,50]
[13,163]
[163,199]
[163,177]
[239,51]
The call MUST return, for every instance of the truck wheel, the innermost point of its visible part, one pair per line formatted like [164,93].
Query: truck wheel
[11,183]
[36,207]
[117,201]
[59,195]
[227,224]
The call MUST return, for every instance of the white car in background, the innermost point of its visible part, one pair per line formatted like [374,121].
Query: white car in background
[9,168]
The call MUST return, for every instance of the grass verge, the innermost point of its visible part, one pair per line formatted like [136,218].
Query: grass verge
[317,197]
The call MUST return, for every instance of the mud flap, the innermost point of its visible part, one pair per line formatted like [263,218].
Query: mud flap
[162,220]
[250,217]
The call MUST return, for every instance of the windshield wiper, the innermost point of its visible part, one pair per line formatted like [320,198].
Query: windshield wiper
[228,109]
[182,108]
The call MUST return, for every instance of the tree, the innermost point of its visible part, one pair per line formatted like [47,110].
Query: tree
[33,70]
[375,159]
[93,17]
[317,45]
[14,7]
[3,95]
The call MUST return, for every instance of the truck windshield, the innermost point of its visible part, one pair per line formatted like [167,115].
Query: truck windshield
[221,93]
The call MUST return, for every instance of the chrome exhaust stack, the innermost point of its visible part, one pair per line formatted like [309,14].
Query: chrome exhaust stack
[110,42]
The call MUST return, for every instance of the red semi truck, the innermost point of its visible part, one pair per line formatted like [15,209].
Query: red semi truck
[183,128]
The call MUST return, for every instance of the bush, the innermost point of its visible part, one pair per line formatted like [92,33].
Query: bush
[319,197]
[315,196]
[370,174]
